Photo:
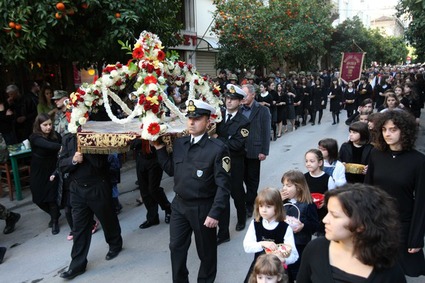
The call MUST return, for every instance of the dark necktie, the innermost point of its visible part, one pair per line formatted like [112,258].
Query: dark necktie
[192,141]
[229,117]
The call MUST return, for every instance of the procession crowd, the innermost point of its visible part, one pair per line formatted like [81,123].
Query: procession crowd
[351,197]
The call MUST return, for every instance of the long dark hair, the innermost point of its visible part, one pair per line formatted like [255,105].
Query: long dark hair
[40,119]
[405,122]
[373,223]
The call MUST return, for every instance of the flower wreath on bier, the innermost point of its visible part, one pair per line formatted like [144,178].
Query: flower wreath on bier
[148,70]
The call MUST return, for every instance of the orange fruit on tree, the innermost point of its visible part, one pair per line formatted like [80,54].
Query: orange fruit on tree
[70,12]
[18,27]
[60,6]
[117,15]
[17,34]
[12,25]
[58,16]
[84,5]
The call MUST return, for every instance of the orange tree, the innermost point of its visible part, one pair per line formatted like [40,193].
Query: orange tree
[83,31]
[253,34]
[415,11]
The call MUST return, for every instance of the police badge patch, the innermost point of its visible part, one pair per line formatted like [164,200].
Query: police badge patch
[244,132]
[225,163]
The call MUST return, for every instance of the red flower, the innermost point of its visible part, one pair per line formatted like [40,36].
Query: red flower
[181,64]
[158,72]
[213,116]
[154,128]
[119,65]
[138,53]
[161,55]
[155,108]
[142,99]
[108,69]
[150,80]
[150,68]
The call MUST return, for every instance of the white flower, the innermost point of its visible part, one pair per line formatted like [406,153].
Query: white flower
[82,120]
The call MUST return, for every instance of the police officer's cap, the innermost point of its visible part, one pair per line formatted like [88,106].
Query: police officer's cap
[233,77]
[197,108]
[235,92]
[58,94]
[249,76]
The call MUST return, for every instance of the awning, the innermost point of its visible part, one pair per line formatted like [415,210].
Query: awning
[208,44]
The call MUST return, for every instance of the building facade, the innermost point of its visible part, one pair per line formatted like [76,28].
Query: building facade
[200,45]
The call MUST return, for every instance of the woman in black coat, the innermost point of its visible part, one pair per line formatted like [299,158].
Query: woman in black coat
[335,100]
[318,100]
[45,145]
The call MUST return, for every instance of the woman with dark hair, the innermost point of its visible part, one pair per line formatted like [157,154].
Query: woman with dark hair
[356,152]
[335,100]
[289,98]
[411,101]
[265,98]
[280,109]
[349,98]
[380,89]
[399,170]
[364,90]
[45,145]
[304,90]
[318,98]
[45,104]
[362,235]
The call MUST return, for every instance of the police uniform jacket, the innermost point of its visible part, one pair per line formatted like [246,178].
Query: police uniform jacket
[234,133]
[201,171]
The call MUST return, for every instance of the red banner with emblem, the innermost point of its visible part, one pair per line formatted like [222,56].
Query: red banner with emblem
[351,66]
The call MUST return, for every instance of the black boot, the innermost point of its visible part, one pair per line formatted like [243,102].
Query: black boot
[11,222]
[55,227]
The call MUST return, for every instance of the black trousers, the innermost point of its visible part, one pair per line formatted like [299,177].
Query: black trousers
[188,217]
[237,192]
[149,175]
[252,180]
[88,199]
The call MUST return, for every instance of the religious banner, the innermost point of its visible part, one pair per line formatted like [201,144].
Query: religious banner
[351,66]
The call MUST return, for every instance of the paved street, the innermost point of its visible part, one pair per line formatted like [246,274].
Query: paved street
[35,255]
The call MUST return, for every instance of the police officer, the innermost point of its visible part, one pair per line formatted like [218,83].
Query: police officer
[200,166]
[233,132]
[91,193]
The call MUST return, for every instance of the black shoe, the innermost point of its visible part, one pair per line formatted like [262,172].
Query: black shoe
[71,274]
[221,240]
[148,224]
[334,123]
[167,218]
[11,222]
[2,253]
[112,254]
[303,124]
[312,124]
[240,226]
[318,123]
[55,227]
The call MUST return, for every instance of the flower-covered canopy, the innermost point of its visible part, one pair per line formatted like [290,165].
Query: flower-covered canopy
[150,69]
